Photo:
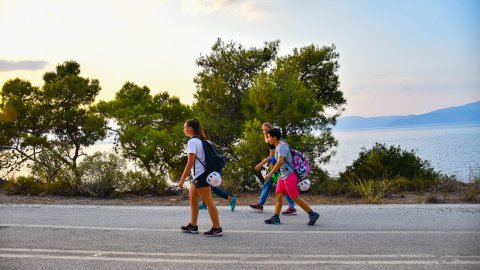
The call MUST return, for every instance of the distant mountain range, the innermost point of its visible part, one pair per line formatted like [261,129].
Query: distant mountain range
[466,114]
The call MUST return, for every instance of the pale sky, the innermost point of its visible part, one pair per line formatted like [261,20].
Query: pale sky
[397,57]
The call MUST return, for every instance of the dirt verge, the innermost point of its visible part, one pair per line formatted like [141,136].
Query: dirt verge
[242,199]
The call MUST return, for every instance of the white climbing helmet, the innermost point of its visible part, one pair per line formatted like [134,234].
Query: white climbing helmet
[214,179]
[304,185]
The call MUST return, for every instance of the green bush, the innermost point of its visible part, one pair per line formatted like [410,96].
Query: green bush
[322,183]
[328,187]
[48,166]
[61,186]
[49,175]
[141,184]
[399,184]
[102,175]
[24,185]
[51,171]
[382,162]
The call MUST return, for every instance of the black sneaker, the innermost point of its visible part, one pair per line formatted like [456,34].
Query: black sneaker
[290,212]
[313,218]
[273,220]
[257,207]
[214,232]
[190,229]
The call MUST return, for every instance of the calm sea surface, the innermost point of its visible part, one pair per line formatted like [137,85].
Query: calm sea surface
[453,150]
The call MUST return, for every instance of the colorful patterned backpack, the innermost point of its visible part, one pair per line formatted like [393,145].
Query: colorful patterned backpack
[301,165]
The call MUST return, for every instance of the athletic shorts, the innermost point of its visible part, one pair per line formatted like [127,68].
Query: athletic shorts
[288,186]
[201,180]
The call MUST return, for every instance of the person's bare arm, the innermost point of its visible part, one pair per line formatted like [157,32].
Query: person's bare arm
[188,168]
[259,166]
[275,168]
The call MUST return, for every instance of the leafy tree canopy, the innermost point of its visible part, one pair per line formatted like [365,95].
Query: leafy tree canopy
[57,117]
[294,92]
[226,75]
[150,128]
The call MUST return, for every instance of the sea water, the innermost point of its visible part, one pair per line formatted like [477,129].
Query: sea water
[453,150]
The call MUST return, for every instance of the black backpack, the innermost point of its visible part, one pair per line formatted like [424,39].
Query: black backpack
[214,160]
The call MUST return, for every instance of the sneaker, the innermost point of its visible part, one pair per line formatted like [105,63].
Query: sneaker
[232,203]
[190,229]
[313,218]
[273,220]
[290,212]
[214,232]
[257,207]
[202,206]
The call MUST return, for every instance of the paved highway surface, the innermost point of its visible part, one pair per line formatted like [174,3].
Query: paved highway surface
[139,237]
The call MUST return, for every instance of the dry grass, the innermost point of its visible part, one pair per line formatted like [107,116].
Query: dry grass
[242,199]
[372,191]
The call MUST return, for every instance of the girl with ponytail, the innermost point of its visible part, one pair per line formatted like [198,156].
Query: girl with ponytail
[199,186]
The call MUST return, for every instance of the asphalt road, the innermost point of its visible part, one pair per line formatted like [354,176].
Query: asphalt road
[346,237]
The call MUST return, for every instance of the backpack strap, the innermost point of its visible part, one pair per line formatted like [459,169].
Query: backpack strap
[293,169]
[204,165]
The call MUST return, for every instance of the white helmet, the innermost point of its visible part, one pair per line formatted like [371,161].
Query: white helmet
[304,185]
[214,179]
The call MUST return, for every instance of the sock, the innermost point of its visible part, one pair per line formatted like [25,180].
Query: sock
[311,213]
[275,216]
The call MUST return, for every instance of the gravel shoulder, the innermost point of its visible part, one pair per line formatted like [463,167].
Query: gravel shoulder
[242,199]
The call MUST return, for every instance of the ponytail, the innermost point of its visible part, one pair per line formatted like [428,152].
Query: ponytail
[197,128]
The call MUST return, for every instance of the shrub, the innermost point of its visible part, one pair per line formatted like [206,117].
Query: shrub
[399,184]
[322,183]
[473,187]
[382,162]
[61,186]
[48,166]
[24,185]
[328,187]
[371,191]
[239,178]
[471,194]
[102,175]
[448,184]
[431,198]
[141,184]
[418,184]
[51,171]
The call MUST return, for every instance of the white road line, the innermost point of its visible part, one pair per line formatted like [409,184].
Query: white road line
[103,253]
[439,261]
[67,227]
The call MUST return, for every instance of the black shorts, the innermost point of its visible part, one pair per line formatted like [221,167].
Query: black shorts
[201,180]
